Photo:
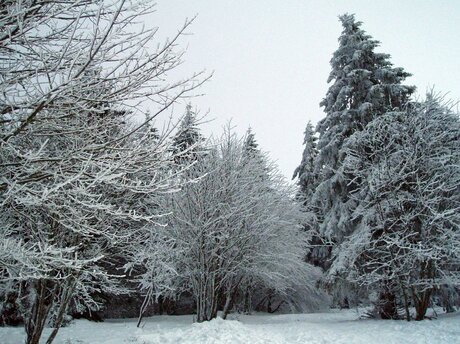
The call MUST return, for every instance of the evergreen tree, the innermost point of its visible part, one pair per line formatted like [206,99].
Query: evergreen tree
[250,146]
[252,155]
[305,172]
[365,85]
[307,183]
[152,132]
[187,139]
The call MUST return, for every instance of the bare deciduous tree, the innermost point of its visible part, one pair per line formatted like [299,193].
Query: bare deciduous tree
[72,172]
[229,229]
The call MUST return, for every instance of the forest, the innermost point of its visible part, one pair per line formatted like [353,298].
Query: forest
[107,214]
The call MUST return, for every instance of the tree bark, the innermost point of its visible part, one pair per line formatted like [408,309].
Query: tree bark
[66,296]
[230,300]
[387,307]
[422,299]
[207,298]
[422,303]
[144,305]
[41,307]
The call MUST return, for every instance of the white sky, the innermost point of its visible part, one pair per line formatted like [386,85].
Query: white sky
[270,58]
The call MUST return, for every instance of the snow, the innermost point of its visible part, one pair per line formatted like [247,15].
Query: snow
[334,327]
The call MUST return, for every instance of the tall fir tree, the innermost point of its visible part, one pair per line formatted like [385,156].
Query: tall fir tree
[253,155]
[152,132]
[250,144]
[305,172]
[364,85]
[186,143]
[307,181]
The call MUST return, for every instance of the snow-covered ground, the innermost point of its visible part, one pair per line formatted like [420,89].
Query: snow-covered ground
[335,327]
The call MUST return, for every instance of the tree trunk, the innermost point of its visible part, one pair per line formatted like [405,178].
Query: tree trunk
[144,305]
[422,303]
[406,299]
[227,306]
[230,299]
[269,303]
[387,306]
[161,305]
[447,299]
[41,307]
[422,300]
[247,301]
[67,293]
[406,304]
[207,299]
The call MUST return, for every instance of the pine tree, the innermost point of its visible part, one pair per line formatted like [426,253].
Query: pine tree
[187,139]
[150,129]
[307,183]
[365,85]
[305,172]
[253,155]
[251,147]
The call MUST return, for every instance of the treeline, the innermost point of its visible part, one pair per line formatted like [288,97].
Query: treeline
[96,207]
[380,178]
[234,237]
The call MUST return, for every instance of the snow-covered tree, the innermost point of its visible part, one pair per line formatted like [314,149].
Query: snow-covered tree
[407,165]
[250,147]
[154,134]
[305,172]
[228,228]
[364,86]
[254,156]
[307,182]
[71,173]
[188,139]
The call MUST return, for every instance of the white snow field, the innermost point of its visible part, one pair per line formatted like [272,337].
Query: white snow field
[335,327]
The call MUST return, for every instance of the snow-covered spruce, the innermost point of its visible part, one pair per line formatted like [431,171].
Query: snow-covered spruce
[364,86]
[188,142]
[306,171]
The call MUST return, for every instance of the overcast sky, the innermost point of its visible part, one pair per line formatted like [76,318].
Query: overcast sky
[270,58]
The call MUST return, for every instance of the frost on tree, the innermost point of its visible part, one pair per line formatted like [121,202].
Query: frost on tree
[228,229]
[307,182]
[251,147]
[254,156]
[407,241]
[305,172]
[72,174]
[364,85]
[187,142]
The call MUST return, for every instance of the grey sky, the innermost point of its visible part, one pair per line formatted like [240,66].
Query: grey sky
[271,58]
